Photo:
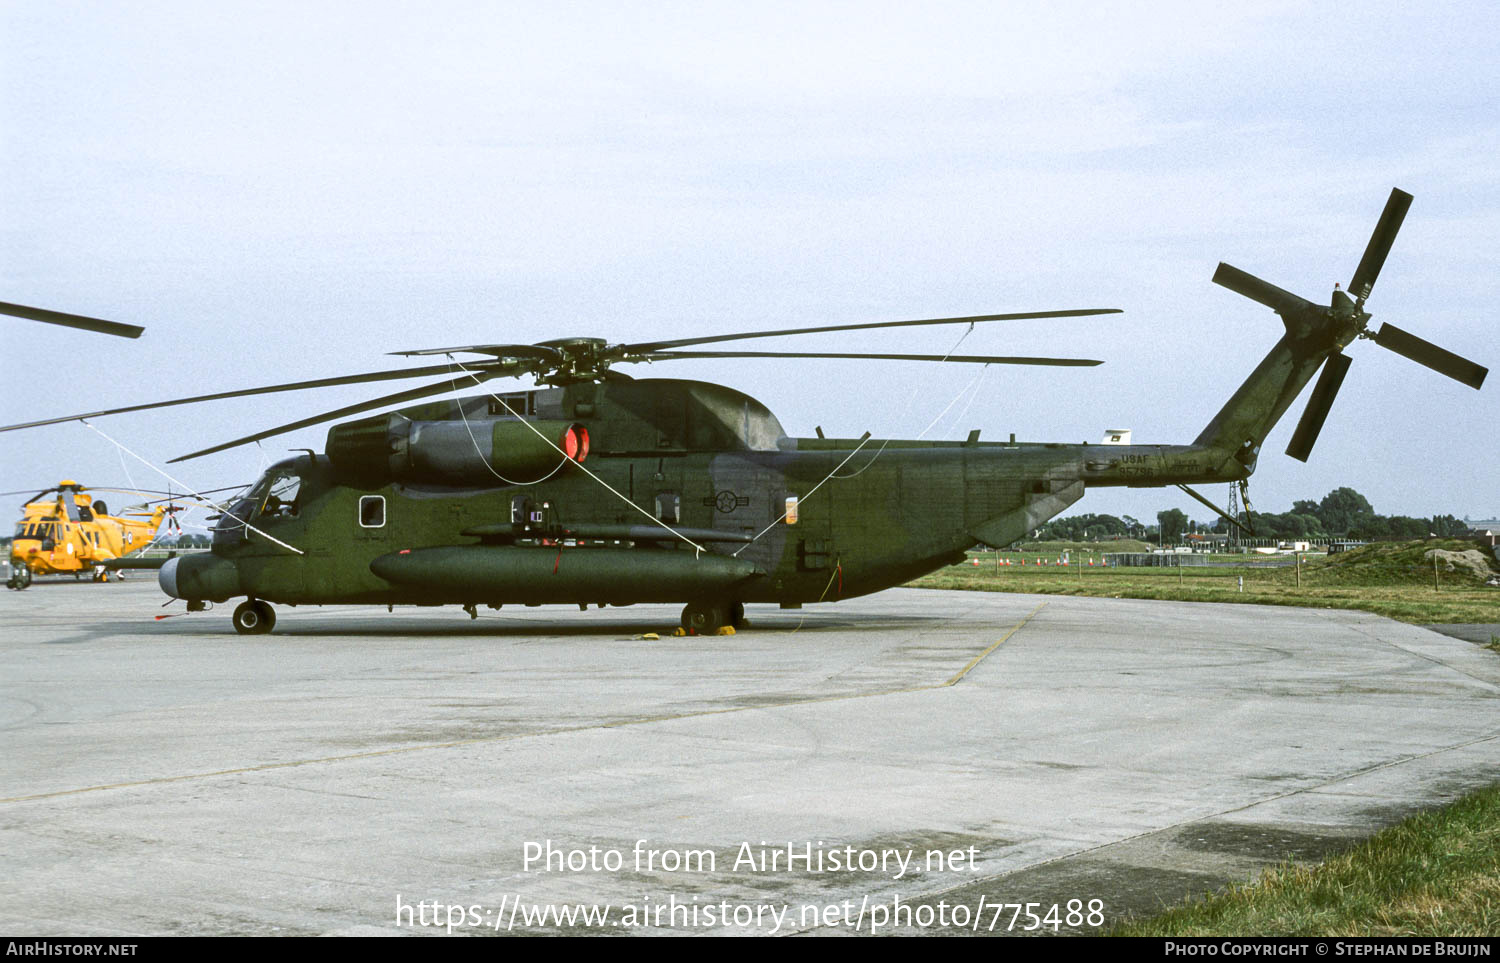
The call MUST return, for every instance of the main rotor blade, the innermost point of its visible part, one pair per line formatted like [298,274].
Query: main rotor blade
[169,495]
[184,496]
[1380,244]
[744,335]
[1316,411]
[956,358]
[33,498]
[71,320]
[293,386]
[1426,353]
[457,383]
[538,352]
[1252,287]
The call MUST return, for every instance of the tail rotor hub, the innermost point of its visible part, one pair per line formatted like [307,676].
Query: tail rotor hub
[1327,331]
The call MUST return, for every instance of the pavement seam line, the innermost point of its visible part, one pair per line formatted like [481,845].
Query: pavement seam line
[1360,628]
[621,724]
[1225,812]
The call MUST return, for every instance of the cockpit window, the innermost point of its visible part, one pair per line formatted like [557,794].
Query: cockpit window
[274,495]
[281,498]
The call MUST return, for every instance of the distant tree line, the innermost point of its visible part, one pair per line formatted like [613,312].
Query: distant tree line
[1342,513]
[1092,528]
[1345,513]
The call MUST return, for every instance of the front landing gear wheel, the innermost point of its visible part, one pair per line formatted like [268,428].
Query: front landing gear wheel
[20,576]
[705,618]
[254,618]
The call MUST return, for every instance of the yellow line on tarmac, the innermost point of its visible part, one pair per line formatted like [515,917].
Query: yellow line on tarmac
[980,657]
[376,753]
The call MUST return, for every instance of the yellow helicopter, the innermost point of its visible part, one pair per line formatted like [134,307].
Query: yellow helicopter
[67,530]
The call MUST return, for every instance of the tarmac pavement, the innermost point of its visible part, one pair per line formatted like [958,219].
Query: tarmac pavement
[361,772]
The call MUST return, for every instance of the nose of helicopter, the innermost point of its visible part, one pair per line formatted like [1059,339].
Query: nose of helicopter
[199,578]
[167,577]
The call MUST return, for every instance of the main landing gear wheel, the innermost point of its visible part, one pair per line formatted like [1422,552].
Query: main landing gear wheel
[254,618]
[737,615]
[705,618]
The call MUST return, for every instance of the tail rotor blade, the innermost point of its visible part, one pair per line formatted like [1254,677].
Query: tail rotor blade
[1426,353]
[1318,405]
[1252,287]
[1380,244]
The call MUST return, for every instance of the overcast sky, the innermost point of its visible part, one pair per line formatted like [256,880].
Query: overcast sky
[288,191]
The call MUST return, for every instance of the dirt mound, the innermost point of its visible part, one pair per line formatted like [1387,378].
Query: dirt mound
[1472,561]
[1394,563]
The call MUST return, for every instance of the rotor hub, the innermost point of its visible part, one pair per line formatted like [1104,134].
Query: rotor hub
[580,359]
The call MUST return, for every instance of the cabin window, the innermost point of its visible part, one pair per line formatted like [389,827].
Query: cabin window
[371,511]
[520,510]
[668,507]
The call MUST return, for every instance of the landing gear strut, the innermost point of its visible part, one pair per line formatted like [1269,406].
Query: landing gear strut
[254,617]
[20,576]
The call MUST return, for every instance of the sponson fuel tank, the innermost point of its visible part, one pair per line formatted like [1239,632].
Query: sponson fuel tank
[553,574]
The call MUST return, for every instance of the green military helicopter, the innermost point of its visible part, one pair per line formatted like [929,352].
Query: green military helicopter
[596,488]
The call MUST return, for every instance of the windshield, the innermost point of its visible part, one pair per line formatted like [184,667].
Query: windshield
[281,498]
[274,495]
[36,530]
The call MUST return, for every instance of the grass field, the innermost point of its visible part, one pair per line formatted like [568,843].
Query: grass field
[1390,579]
[1436,874]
